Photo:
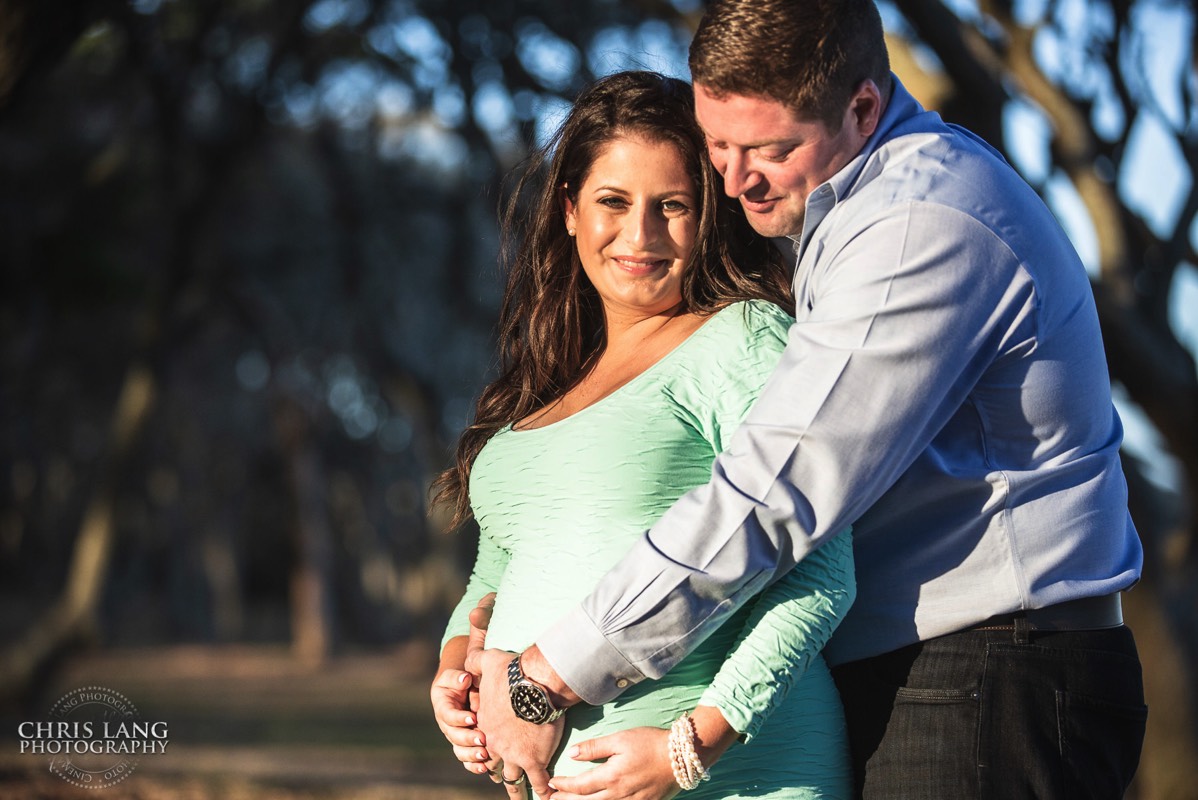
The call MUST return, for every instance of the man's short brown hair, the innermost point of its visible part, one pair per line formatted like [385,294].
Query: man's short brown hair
[810,55]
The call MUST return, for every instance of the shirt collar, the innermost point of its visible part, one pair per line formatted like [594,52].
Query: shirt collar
[901,107]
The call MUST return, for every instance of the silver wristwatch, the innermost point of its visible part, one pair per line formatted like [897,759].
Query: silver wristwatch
[530,701]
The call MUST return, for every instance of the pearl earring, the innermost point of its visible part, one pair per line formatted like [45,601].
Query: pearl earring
[571,231]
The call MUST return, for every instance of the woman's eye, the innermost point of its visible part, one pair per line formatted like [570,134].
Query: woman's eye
[674,206]
[612,202]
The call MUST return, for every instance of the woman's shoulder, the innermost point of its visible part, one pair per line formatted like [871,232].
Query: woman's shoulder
[749,324]
[725,366]
[762,314]
[741,338]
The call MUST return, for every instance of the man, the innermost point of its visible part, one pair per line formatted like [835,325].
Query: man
[944,391]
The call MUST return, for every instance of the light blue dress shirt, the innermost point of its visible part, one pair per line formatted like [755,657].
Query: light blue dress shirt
[944,391]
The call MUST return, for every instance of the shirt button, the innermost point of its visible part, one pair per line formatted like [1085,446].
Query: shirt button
[622,683]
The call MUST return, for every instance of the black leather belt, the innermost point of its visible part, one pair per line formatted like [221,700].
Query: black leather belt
[1085,614]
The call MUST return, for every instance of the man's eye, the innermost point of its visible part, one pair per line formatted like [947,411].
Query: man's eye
[775,155]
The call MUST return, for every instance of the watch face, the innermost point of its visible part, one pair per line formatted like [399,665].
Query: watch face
[530,703]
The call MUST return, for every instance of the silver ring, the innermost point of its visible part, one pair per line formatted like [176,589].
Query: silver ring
[518,782]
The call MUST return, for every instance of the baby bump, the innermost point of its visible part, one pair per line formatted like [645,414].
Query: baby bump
[653,703]
[541,584]
[800,752]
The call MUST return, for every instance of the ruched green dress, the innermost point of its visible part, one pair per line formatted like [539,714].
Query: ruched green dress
[559,505]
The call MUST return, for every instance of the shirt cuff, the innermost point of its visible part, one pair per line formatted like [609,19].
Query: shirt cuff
[582,657]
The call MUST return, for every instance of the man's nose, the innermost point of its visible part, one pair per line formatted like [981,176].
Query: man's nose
[738,176]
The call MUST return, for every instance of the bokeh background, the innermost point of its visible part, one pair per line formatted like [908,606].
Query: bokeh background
[247,288]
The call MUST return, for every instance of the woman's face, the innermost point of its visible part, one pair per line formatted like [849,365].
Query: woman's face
[636,216]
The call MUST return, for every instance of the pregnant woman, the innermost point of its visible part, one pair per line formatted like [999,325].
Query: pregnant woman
[641,318]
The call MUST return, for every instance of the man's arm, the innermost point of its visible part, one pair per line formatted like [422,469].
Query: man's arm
[904,325]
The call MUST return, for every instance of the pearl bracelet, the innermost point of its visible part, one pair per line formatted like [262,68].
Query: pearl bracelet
[684,761]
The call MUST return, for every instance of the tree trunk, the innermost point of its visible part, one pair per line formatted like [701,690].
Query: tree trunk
[72,617]
[311,580]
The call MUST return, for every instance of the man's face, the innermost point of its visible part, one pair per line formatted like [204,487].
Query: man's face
[772,160]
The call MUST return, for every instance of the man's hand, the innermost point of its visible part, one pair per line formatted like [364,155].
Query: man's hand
[524,748]
[637,768]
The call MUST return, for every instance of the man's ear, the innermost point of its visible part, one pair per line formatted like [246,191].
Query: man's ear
[866,108]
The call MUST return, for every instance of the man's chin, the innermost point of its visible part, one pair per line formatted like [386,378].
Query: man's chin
[775,223]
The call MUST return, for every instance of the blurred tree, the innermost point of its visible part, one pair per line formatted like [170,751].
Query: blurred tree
[277,221]
[248,289]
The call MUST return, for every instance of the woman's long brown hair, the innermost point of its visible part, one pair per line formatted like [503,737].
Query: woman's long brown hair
[551,326]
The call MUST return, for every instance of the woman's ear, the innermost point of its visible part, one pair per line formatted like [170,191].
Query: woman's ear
[568,209]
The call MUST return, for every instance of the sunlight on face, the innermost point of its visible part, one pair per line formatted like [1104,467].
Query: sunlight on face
[770,159]
[636,216]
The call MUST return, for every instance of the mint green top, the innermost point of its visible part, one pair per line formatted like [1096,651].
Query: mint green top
[559,505]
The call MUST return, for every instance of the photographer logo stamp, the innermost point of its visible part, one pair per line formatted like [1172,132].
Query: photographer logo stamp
[94,737]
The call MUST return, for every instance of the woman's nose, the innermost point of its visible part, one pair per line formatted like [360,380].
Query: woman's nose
[644,226]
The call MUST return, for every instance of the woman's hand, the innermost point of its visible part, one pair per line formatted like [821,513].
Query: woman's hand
[455,705]
[638,760]
[637,768]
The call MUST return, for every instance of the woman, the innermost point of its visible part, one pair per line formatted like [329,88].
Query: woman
[641,318]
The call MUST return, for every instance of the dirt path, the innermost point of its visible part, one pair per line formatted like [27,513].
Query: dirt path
[250,723]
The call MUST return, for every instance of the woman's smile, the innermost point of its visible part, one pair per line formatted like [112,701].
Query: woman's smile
[641,266]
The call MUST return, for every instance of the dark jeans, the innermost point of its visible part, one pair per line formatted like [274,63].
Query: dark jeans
[995,714]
